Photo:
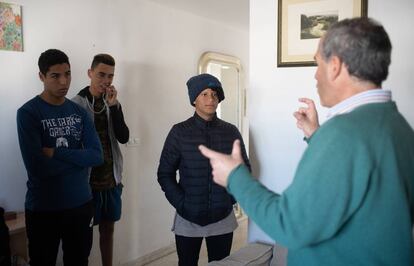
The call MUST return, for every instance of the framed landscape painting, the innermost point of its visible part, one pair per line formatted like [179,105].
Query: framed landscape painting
[301,23]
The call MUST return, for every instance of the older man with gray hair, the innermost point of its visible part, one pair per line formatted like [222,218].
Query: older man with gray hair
[352,198]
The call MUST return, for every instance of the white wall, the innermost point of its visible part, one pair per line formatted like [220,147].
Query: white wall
[157,50]
[276,144]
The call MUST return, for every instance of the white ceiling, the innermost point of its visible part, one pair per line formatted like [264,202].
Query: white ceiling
[235,13]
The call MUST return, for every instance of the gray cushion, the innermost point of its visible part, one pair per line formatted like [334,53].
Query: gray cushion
[257,254]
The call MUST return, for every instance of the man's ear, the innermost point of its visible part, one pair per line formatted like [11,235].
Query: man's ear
[41,76]
[335,67]
[90,73]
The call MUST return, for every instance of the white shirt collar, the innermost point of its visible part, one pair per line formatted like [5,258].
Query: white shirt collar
[362,98]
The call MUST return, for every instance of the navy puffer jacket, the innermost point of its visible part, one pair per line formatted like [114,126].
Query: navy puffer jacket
[195,196]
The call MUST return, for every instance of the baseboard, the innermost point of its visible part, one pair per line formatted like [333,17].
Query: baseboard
[150,257]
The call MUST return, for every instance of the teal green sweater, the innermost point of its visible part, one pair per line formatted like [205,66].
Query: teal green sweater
[351,201]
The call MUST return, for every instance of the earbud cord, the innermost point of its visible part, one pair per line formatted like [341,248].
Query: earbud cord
[91,107]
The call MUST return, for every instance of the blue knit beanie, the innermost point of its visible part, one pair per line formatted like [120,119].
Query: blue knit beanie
[201,82]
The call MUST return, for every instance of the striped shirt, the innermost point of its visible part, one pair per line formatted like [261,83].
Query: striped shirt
[366,97]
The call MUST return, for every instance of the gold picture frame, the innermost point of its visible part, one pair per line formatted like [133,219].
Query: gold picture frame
[301,23]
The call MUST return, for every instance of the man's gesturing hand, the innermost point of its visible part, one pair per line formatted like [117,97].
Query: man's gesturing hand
[307,117]
[222,164]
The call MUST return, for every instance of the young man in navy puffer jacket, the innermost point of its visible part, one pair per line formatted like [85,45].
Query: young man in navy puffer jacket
[203,209]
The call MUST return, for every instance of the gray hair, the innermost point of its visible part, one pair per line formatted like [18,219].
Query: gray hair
[363,45]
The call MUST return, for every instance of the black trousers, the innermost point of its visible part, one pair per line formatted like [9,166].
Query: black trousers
[188,248]
[45,230]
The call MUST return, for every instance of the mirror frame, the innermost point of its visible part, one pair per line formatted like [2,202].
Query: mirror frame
[208,57]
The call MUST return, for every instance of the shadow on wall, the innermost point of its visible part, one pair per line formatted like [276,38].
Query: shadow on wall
[253,157]
[13,176]
[156,95]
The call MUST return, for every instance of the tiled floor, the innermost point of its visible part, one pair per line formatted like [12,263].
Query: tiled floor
[239,240]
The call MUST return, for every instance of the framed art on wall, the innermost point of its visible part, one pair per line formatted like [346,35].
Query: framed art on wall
[11,33]
[301,23]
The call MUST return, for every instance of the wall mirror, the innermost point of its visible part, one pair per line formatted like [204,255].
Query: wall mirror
[229,71]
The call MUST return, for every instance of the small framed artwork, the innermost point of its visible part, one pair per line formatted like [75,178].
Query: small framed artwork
[301,23]
[11,32]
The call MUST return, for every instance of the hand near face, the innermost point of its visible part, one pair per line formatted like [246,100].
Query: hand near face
[222,164]
[307,117]
[111,94]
